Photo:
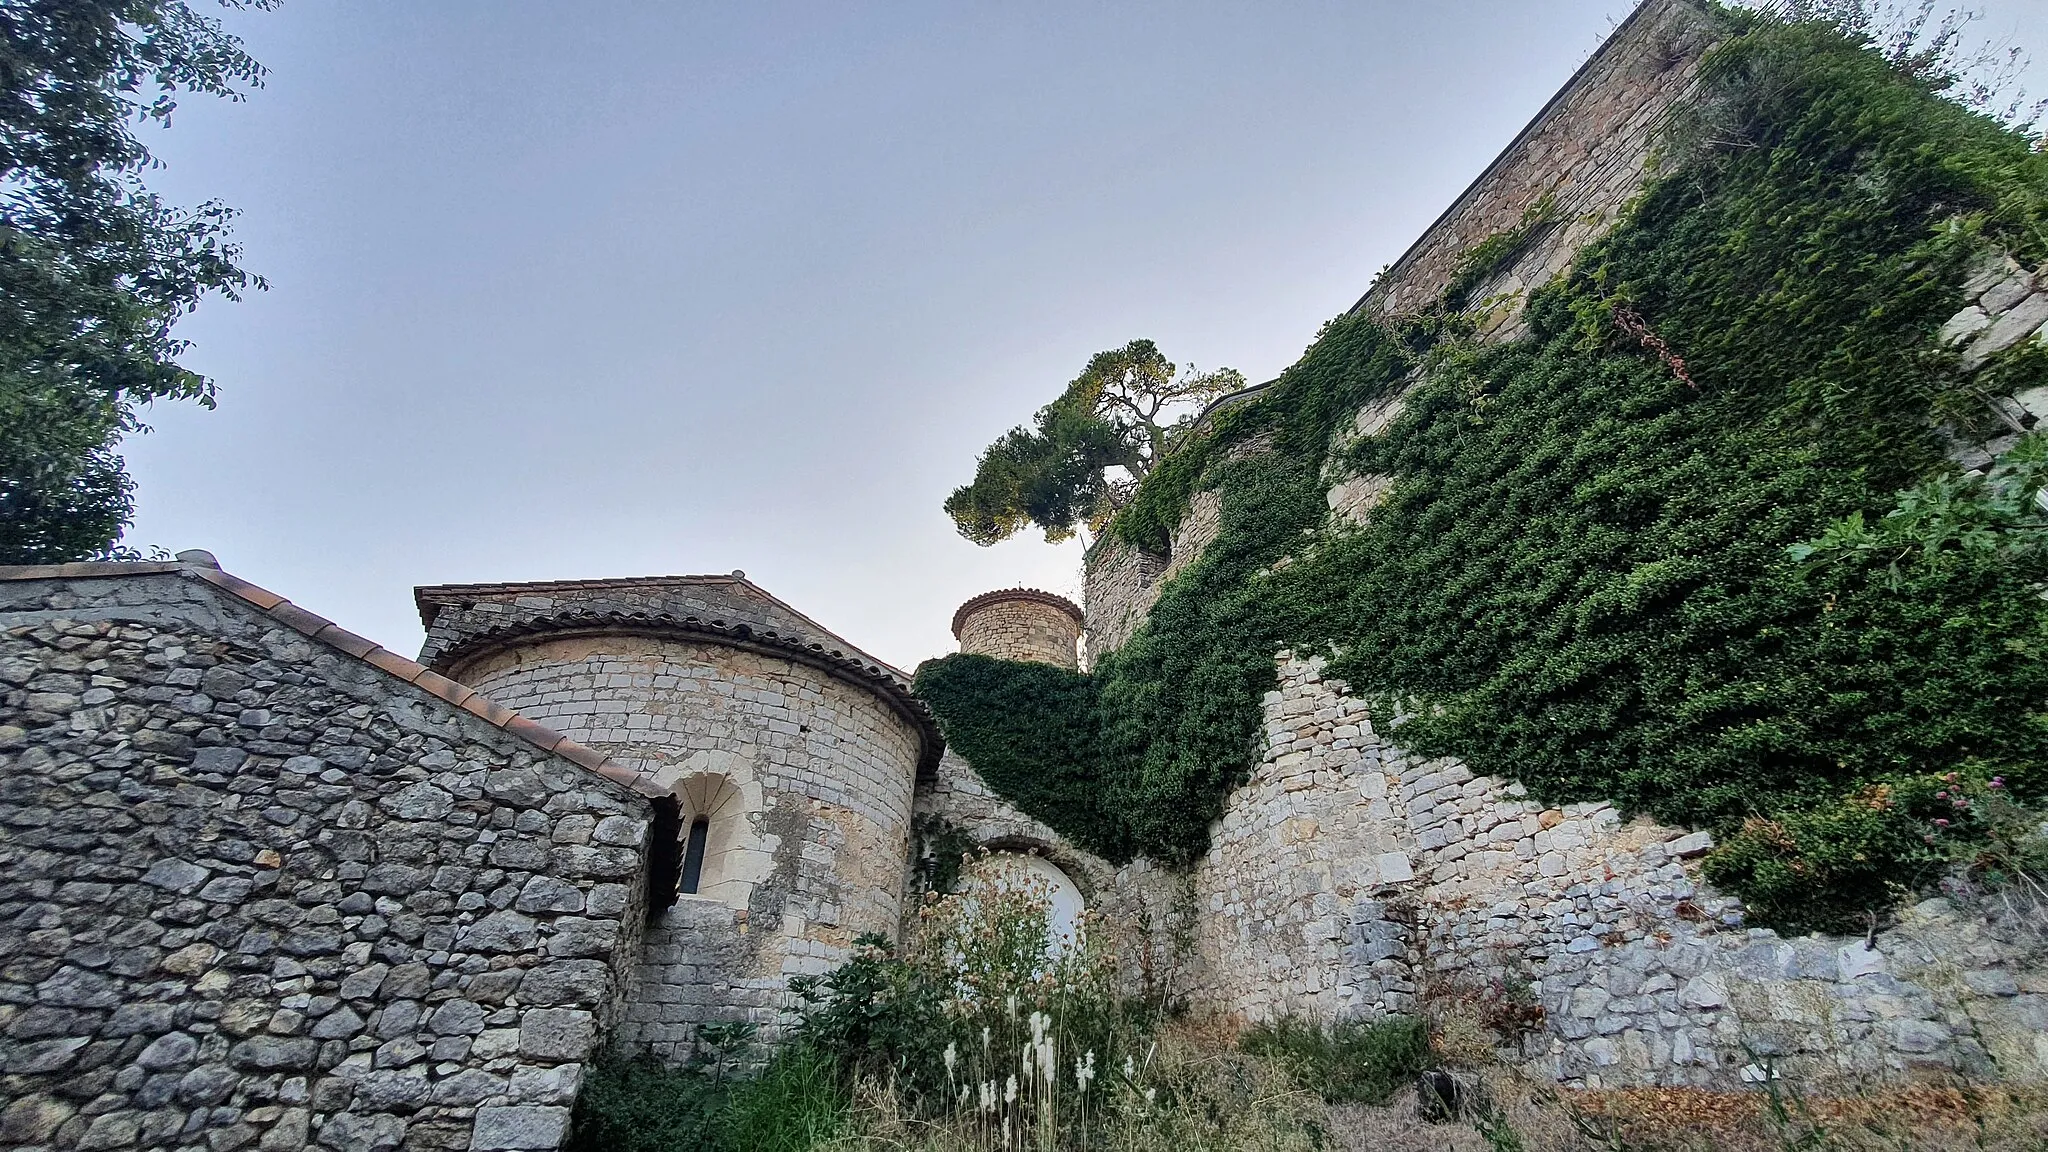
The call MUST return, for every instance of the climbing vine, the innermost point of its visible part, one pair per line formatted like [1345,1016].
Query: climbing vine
[1583,576]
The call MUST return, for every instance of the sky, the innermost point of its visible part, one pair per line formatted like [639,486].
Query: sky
[666,287]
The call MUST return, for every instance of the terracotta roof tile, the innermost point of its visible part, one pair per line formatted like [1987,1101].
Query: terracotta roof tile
[345,640]
[487,708]
[455,693]
[1033,595]
[399,666]
[260,597]
[292,616]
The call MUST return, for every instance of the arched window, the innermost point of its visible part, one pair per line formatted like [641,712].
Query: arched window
[693,854]
[713,839]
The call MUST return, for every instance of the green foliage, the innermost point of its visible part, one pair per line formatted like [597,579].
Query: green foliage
[879,1015]
[1495,252]
[94,269]
[1347,1061]
[1116,416]
[790,1104]
[1030,730]
[1584,576]
[641,1105]
[1951,519]
[1822,866]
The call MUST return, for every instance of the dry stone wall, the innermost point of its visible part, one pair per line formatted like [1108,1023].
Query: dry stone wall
[816,843]
[1348,877]
[257,893]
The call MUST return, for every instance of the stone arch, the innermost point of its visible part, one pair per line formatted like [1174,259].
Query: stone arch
[1009,868]
[723,850]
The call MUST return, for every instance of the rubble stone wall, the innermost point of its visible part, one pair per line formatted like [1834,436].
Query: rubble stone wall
[1148,909]
[815,777]
[1122,582]
[257,893]
[1348,877]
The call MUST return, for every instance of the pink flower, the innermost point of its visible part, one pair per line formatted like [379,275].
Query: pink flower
[1940,823]
[1998,782]
[1941,795]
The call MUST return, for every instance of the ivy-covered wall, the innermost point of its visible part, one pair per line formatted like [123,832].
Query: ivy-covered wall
[1580,575]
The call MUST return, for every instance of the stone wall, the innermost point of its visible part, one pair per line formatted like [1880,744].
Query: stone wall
[1348,877]
[1586,151]
[1121,582]
[256,892]
[805,781]
[1149,911]
[1020,624]
[2008,305]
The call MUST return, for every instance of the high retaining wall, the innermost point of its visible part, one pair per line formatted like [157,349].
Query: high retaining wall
[800,764]
[1347,877]
[265,890]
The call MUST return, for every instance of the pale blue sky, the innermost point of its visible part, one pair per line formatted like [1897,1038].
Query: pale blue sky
[614,289]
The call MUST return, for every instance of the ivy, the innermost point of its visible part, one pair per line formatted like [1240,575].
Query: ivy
[1582,577]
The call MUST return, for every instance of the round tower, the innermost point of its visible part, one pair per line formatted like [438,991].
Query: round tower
[1020,624]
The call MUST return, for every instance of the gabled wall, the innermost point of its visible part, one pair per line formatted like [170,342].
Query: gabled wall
[257,892]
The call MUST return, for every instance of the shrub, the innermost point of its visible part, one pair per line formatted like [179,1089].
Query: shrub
[641,1105]
[1348,1061]
[790,1104]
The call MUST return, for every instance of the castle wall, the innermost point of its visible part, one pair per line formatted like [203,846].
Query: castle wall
[808,784]
[1122,582]
[256,892]
[1145,908]
[1348,877]
[1587,151]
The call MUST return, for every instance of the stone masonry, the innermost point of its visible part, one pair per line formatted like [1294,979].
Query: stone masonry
[1348,877]
[1020,624]
[265,885]
[798,752]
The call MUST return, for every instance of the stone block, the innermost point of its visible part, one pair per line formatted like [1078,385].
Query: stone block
[506,1128]
[556,1034]
[1691,844]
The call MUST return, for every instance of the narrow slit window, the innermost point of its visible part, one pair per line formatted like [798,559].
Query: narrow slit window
[693,853]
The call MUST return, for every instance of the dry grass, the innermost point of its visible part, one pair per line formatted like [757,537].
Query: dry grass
[1919,1118]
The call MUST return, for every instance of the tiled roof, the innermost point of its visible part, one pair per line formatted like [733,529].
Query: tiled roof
[851,666]
[335,636]
[961,613]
